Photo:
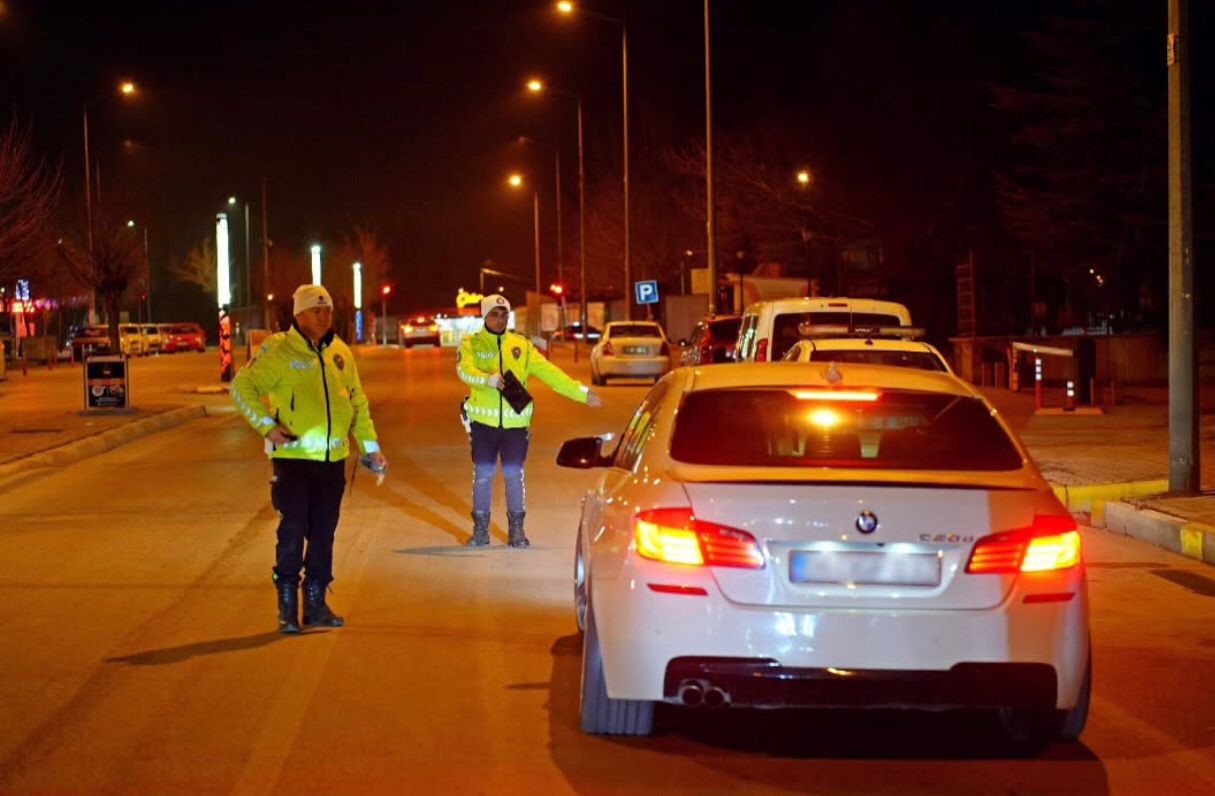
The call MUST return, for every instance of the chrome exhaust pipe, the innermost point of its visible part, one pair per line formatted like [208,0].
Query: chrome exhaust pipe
[715,697]
[691,694]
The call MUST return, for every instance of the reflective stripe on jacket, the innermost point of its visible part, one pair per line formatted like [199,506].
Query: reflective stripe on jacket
[483,354]
[314,391]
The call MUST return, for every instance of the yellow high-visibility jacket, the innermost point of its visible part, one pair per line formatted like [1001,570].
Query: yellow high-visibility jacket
[314,391]
[483,354]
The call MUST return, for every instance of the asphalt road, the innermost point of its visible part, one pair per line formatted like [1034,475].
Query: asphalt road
[138,651]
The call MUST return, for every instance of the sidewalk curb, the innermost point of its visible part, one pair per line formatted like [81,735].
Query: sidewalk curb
[1093,498]
[1190,539]
[78,450]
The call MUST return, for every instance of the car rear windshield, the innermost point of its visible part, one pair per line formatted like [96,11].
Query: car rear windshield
[921,360]
[725,330]
[636,330]
[186,330]
[899,430]
[785,328]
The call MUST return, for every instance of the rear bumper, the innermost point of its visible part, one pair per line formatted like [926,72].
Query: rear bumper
[633,366]
[764,683]
[921,657]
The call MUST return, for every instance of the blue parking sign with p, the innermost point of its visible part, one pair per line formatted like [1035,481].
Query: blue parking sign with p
[646,291]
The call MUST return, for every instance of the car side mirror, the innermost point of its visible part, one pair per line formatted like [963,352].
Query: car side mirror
[582,453]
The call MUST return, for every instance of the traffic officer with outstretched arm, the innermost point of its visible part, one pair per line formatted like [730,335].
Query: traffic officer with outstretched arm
[496,430]
[314,402]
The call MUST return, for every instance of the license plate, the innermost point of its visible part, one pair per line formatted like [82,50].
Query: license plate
[864,568]
[636,349]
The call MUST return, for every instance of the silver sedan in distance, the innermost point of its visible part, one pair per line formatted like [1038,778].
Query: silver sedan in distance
[631,349]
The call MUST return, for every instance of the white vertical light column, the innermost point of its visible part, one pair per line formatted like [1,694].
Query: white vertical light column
[223,278]
[358,301]
[316,263]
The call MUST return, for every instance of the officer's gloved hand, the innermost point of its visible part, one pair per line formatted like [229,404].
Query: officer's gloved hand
[495,381]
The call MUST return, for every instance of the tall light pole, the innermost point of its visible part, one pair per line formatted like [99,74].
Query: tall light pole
[537,86]
[357,269]
[569,9]
[384,291]
[126,88]
[265,251]
[248,284]
[710,207]
[1185,452]
[148,261]
[557,186]
[516,181]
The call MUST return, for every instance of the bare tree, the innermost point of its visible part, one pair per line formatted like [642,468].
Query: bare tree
[116,261]
[198,267]
[29,191]
[365,247]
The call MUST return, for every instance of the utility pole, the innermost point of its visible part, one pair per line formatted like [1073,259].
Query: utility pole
[1185,471]
[710,221]
[265,256]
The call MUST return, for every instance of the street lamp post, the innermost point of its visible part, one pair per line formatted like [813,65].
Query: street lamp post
[569,8]
[127,89]
[384,291]
[516,181]
[248,284]
[710,207]
[557,188]
[148,261]
[536,87]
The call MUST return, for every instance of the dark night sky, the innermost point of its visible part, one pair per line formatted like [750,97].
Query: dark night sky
[399,115]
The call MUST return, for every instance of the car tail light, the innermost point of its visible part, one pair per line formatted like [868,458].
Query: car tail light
[434,327]
[408,330]
[607,350]
[1051,543]
[761,351]
[675,536]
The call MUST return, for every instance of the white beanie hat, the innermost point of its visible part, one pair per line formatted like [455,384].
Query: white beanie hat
[491,302]
[309,296]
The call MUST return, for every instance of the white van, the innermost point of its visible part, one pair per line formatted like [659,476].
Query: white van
[770,328]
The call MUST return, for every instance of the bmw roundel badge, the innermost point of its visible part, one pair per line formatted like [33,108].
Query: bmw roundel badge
[866,522]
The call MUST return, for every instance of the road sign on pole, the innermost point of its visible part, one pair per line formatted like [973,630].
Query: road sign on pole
[646,291]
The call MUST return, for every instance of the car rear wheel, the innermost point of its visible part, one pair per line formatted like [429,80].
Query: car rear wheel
[600,714]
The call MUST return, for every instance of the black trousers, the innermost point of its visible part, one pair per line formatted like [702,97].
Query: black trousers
[308,498]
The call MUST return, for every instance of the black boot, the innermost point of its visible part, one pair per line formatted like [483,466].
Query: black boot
[288,606]
[480,536]
[515,526]
[316,612]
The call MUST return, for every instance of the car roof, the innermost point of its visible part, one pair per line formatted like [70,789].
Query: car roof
[864,344]
[634,323]
[814,374]
[840,304]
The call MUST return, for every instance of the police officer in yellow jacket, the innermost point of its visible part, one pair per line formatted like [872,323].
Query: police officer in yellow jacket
[496,430]
[316,402]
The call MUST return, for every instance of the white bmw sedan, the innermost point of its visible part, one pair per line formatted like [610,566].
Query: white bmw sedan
[631,349]
[809,535]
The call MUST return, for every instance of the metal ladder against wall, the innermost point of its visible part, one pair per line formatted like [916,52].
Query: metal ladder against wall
[965,272]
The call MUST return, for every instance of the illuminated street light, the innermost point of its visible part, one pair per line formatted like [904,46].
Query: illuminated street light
[223,273]
[384,291]
[231,200]
[535,86]
[131,224]
[568,9]
[515,180]
[127,89]
[316,263]
[804,177]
